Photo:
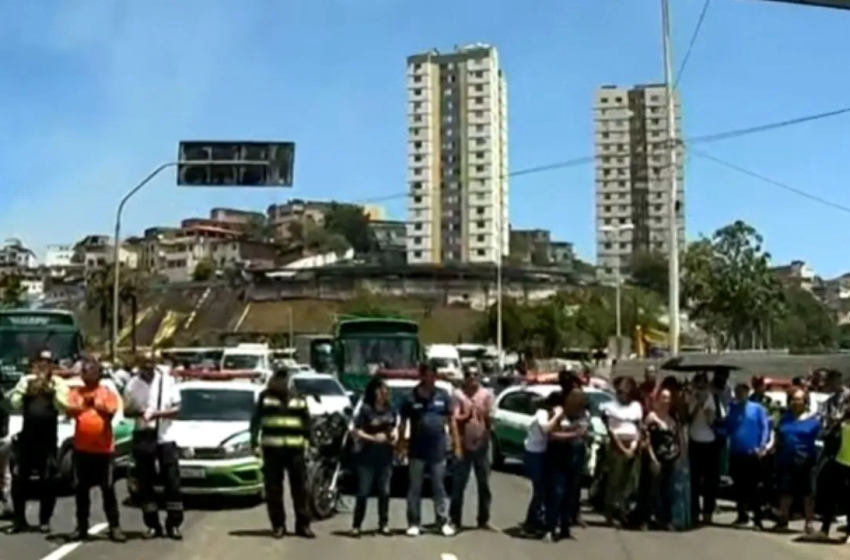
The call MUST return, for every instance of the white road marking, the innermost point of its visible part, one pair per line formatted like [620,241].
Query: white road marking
[67,549]
[444,556]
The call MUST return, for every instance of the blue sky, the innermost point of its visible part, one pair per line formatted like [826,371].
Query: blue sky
[95,94]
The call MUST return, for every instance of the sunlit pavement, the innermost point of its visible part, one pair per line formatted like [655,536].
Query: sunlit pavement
[242,533]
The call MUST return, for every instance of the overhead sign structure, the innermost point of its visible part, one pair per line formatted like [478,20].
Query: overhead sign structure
[235,164]
[835,4]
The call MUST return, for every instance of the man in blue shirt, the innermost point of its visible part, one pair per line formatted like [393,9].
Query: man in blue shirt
[747,425]
[426,421]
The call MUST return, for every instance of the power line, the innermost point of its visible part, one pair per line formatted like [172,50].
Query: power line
[693,42]
[768,180]
[767,127]
[702,139]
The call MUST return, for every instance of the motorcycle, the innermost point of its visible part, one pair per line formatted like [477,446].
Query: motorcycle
[325,462]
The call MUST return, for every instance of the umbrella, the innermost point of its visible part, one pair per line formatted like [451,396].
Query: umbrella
[683,365]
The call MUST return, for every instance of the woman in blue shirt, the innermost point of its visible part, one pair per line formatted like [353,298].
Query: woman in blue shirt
[795,458]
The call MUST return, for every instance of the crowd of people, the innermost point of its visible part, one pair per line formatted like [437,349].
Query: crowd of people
[668,443]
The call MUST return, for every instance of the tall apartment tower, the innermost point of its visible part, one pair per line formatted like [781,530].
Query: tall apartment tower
[633,174]
[457,157]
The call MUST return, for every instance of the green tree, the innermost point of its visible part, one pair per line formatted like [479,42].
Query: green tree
[367,304]
[650,272]
[351,223]
[204,270]
[730,288]
[13,291]
[518,325]
[807,323]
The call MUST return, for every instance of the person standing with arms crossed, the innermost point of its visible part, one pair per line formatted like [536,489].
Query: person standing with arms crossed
[473,406]
[152,398]
[280,434]
[93,406]
[42,398]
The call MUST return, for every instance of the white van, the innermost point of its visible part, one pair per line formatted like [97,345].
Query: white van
[447,359]
[248,357]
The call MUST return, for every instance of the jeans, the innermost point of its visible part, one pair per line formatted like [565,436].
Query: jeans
[834,478]
[471,461]
[564,488]
[416,475]
[369,476]
[535,469]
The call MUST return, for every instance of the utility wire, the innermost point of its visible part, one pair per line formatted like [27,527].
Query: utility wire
[703,139]
[768,180]
[693,42]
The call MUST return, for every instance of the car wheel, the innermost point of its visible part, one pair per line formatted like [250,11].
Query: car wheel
[497,460]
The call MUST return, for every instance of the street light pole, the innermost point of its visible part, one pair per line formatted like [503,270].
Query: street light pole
[617,231]
[672,200]
[116,252]
[500,248]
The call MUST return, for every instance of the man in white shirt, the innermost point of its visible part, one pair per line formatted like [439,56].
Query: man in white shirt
[704,449]
[152,398]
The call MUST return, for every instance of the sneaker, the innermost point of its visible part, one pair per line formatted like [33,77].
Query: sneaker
[384,531]
[278,533]
[447,530]
[355,533]
[413,531]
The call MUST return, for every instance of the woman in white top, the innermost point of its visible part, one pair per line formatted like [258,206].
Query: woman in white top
[547,418]
[623,418]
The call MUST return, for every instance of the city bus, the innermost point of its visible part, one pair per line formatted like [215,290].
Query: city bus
[367,345]
[24,333]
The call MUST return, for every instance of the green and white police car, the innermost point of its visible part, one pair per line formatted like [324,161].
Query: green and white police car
[212,433]
[513,412]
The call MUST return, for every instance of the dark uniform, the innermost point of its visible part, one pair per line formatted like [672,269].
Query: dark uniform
[41,399]
[281,428]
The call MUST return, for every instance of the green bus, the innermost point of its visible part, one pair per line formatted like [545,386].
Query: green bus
[364,346]
[24,333]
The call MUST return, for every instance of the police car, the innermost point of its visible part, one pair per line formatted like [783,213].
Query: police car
[323,392]
[212,433]
[514,411]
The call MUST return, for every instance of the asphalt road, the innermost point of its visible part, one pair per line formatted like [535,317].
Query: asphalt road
[233,533]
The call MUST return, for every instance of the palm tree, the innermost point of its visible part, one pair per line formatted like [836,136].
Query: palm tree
[99,284]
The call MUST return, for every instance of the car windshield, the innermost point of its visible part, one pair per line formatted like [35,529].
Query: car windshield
[240,361]
[444,362]
[221,405]
[16,346]
[312,386]
[595,402]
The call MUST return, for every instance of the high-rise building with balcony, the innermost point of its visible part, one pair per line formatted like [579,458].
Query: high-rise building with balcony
[457,157]
[633,174]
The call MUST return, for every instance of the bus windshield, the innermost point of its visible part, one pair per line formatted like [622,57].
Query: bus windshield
[18,345]
[363,354]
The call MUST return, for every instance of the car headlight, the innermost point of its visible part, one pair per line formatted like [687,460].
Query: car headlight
[237,446]
[237,450]
[186,453]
